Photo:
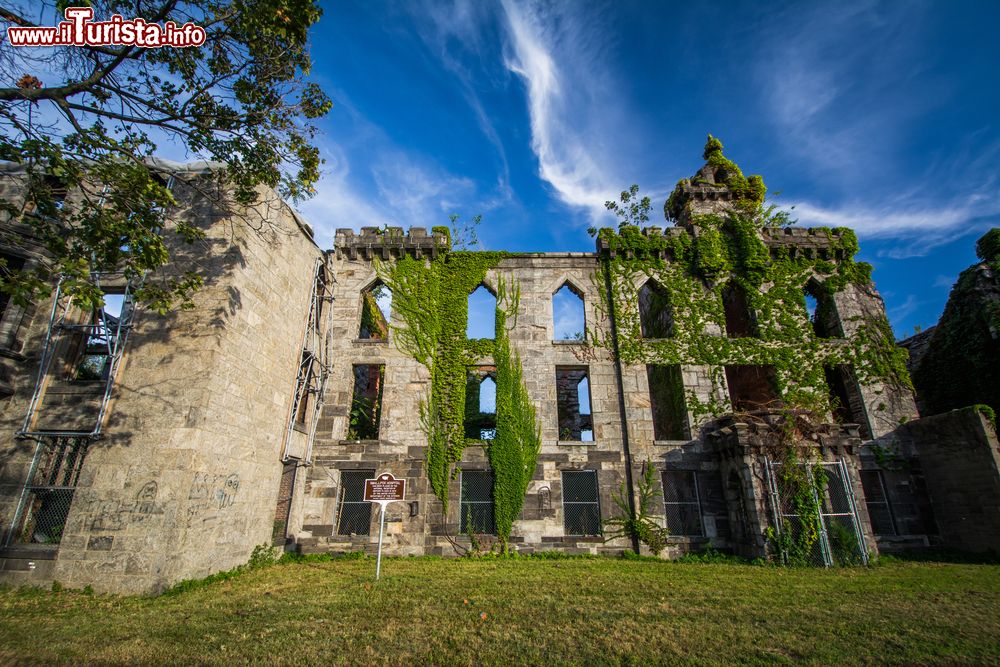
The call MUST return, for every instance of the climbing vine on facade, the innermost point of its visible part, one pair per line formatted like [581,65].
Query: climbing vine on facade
[430,299]
[694,265]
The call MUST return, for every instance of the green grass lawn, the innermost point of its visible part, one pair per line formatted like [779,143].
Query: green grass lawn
[528,611]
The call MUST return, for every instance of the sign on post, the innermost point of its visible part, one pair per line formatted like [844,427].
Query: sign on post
[383,490]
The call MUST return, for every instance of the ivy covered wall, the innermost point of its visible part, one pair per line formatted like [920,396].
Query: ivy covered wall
[743,246]
[430,301]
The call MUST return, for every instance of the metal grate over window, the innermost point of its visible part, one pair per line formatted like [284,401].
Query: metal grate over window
[355,515]
[877,502]
[49,492]
[581,503]
[680,501]
[477,502]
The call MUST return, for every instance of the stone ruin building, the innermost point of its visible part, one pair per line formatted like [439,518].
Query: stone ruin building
[138,450]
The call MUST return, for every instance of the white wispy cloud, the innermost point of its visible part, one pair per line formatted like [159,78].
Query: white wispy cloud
[921,226]
[561,103]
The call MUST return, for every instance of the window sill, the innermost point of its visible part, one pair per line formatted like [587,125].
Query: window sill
[370,341]
[301,428]
[688,539]
[571,342]
[359,442]
[36,551]
[671,443]
[569,443]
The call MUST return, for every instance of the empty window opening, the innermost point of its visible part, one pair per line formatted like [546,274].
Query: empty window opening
[482,322]
[47,196]
[877,502]
[821,311]
[304,379]
[9,266]
[366,406]
[376,306]
[845,398]
[99,338]
[576,422]
[656,315]
[355,514]
[581,503]
[811,304]
[49,491]
[481,403]
[752,387]
[666,400]
[568,318]
[739,318]
[477,502]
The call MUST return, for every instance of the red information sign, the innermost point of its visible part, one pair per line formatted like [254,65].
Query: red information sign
[384,488]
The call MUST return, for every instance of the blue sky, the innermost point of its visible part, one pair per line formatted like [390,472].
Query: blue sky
[879,116]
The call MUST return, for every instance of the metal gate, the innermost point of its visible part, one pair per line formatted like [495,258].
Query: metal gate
[839,540]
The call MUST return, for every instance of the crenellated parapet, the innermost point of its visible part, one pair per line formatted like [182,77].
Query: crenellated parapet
[389,242]
[811,242]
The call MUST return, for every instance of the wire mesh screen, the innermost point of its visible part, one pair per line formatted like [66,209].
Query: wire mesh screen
[355,512]
[836,539]
[477,502]
[581,503]
[877,502]
[680,502]
[284,504]
[49,492]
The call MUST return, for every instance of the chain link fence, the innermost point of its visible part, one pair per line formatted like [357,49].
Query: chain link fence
[477,502]
[55,472]
[581,503]
[838,539]
[355,516]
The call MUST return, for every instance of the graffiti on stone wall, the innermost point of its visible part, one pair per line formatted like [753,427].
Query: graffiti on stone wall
[113,515]
[214,490]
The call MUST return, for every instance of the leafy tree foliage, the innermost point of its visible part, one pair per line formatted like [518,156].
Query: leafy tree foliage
[85,120]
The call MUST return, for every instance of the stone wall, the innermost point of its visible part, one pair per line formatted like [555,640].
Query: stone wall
[184,480]
[961,456]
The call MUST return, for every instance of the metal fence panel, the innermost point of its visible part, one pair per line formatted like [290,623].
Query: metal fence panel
[48,494]
[581,503]
[681,504]
[355,514]
[840,541]
[477,502]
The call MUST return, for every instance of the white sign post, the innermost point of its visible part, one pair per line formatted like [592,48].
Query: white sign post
[383,490]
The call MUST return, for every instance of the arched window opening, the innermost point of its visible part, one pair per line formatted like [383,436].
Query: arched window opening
[481,403]
[568,319]
[739,317]
[482,322]
[656,315]
[376,305]
[821,311]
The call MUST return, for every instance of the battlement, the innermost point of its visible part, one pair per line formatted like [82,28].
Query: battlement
[388,243]
[822,242]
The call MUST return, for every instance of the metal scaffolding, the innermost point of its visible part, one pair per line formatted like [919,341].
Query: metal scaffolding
[102,332]
[315,364]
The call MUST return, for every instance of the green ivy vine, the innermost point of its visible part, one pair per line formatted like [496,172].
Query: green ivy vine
[694,267]
[430,300]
